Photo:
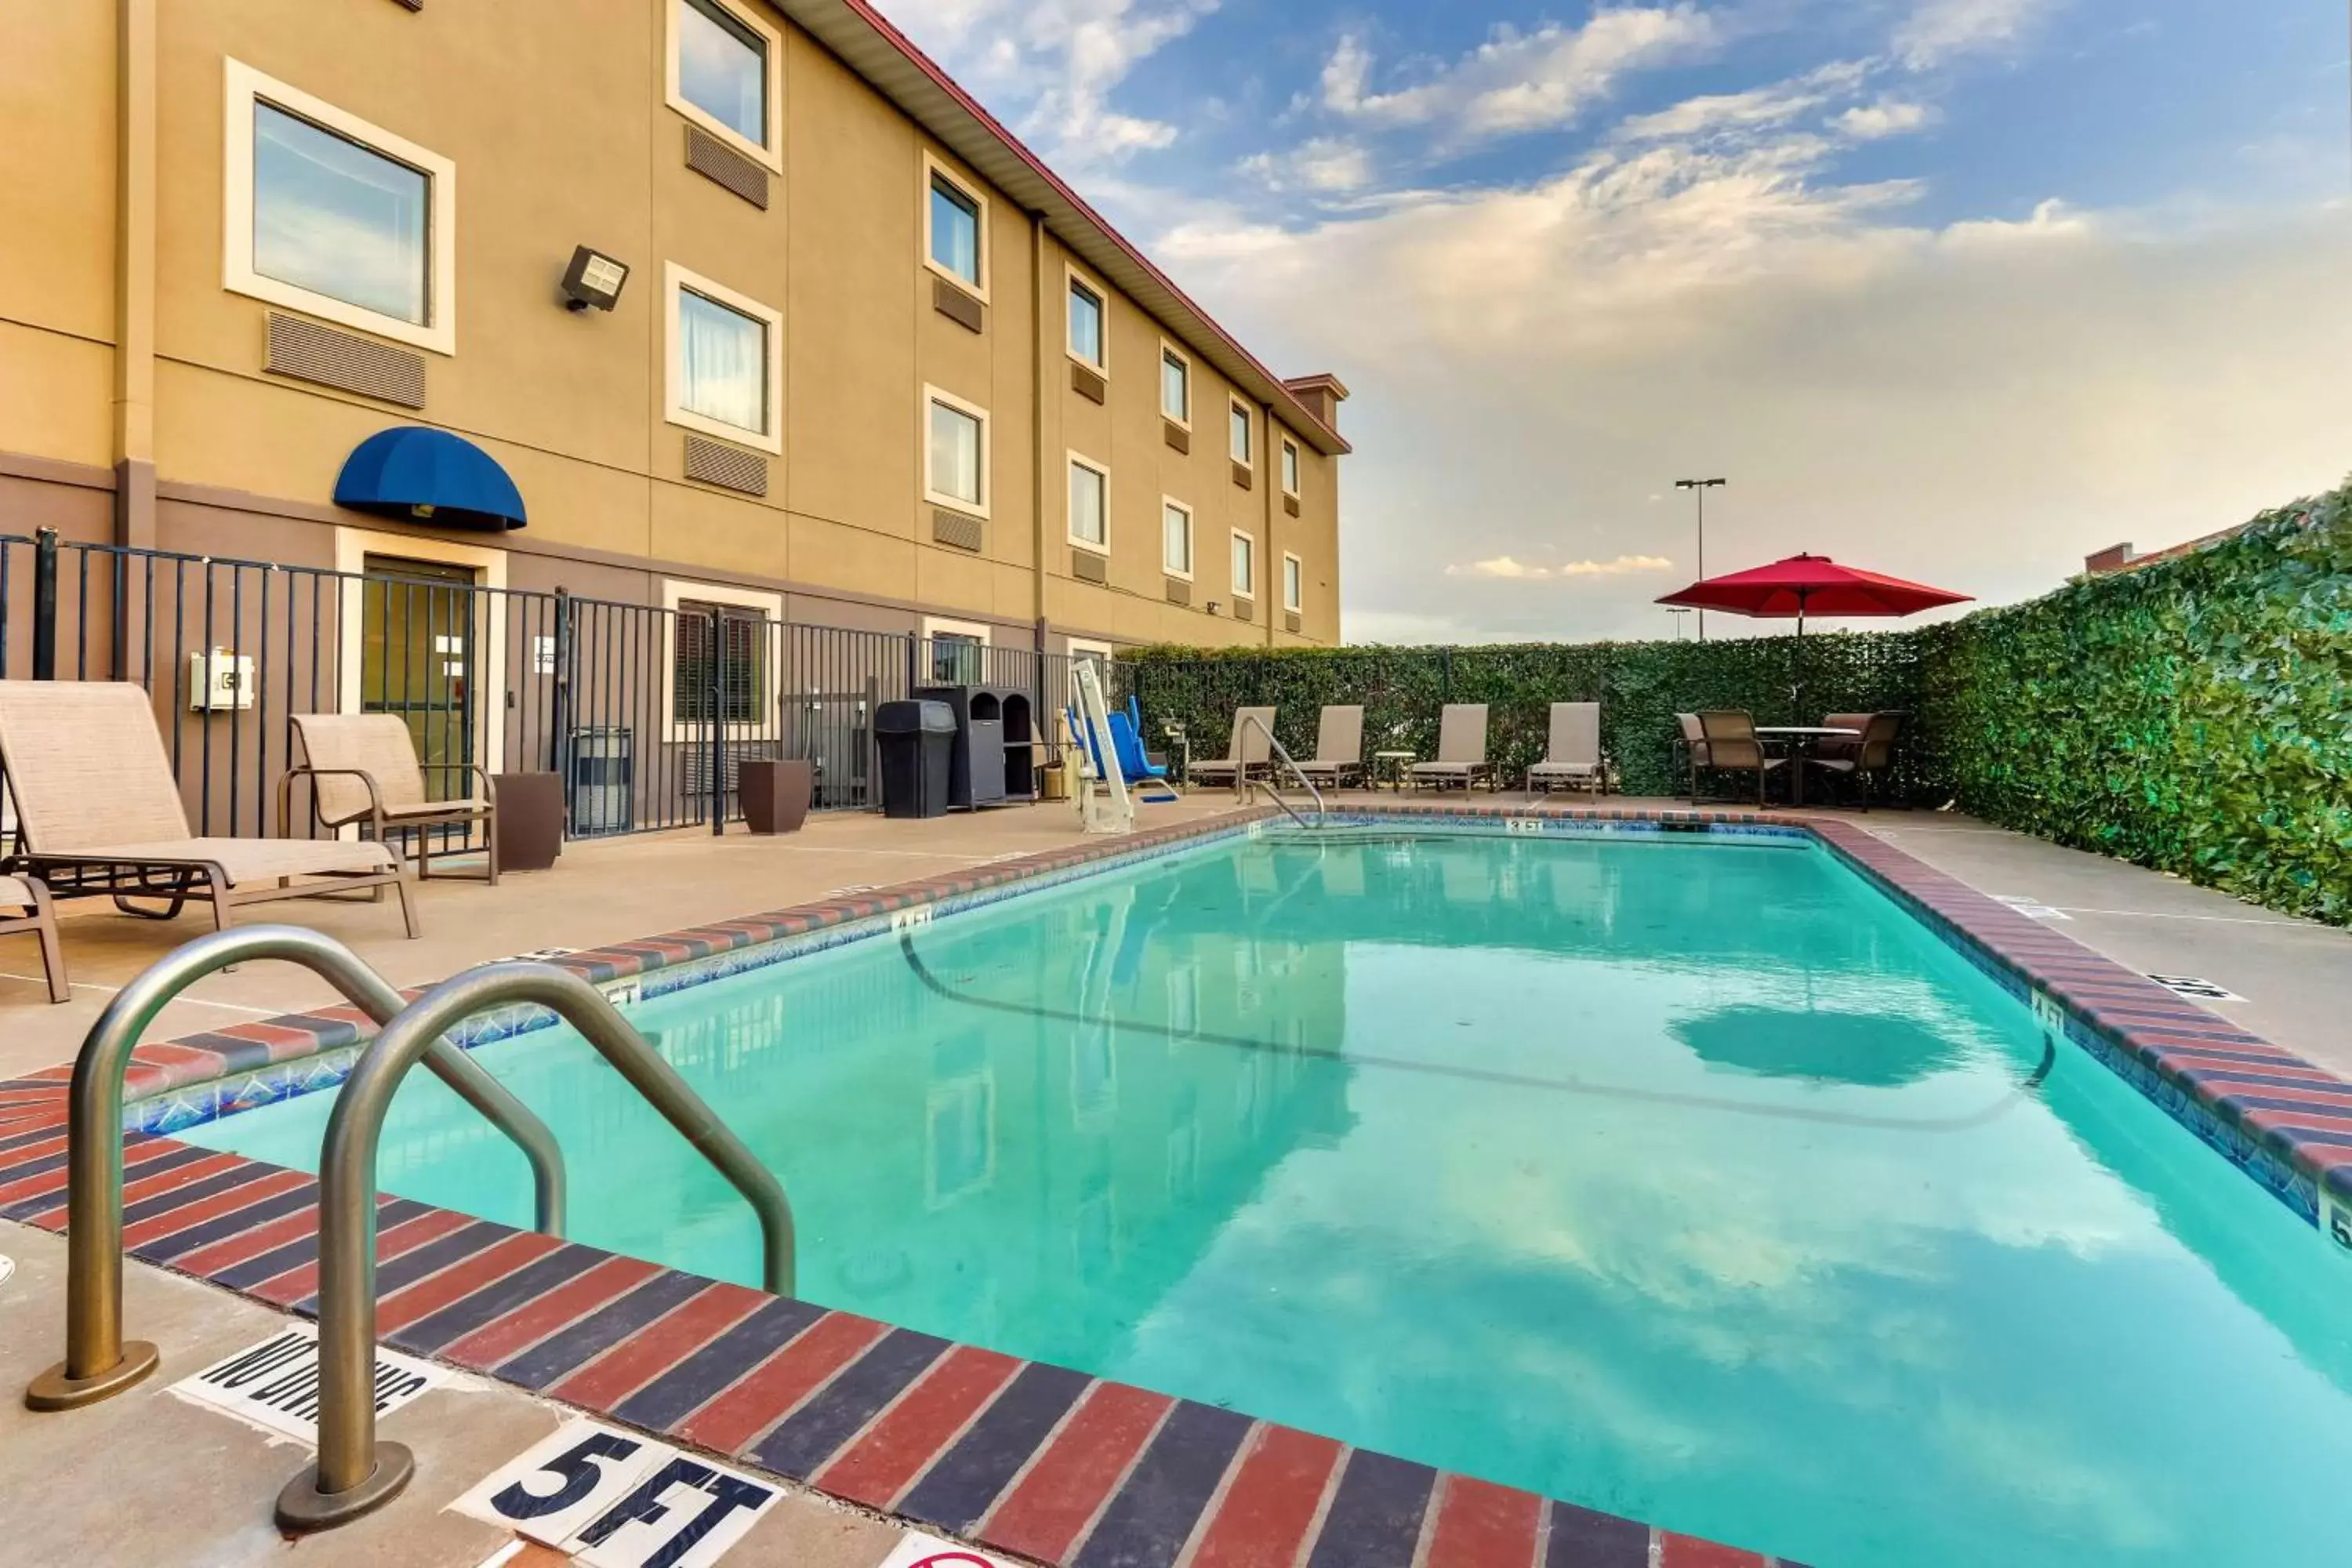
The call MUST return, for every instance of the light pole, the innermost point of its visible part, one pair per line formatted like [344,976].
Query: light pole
[1698,488]
[1678,613]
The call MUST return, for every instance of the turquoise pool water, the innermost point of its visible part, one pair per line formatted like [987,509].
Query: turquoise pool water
[1694,1182]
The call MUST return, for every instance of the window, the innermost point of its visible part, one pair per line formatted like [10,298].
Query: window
[954,224]
[1241,438]
[737,652]
[955,651]
[1289,467]
[329,215]
[1244,565]
[726,374]
[1294,584]
[1089,504]
[1176,538]
[1087,322]
[722,75]
[955,457]
[1175,387]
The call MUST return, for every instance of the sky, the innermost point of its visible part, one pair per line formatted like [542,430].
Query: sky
[1957,289]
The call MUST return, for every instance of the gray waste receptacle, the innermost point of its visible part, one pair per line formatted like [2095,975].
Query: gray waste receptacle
[603,786]
[918,744]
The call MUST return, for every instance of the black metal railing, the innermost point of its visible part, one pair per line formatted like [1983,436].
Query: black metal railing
[646,711]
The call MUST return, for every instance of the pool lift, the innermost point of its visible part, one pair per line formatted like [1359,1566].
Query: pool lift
[1111,809]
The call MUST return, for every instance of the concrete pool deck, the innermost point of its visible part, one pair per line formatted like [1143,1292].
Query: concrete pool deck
[213,1479]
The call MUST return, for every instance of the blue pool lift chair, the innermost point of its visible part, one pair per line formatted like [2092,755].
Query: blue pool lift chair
[1127,744]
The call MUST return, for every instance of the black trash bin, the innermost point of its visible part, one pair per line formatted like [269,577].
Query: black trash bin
[918,744]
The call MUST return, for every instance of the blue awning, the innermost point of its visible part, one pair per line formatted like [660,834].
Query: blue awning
[428,476]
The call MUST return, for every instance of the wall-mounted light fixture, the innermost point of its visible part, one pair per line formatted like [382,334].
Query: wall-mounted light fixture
[593,279]
[1212,606]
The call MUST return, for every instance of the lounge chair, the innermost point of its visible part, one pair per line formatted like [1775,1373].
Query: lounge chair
[39,918]
[1574,757]
[1732,747]
[1246,754]
[98,814]
[1339,748]
[1461,750]
[1866,757]
[363,773]
[1693,748]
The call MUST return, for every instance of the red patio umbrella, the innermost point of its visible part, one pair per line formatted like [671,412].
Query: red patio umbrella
[1810,584]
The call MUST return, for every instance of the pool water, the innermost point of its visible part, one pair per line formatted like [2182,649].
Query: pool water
[1694,1181]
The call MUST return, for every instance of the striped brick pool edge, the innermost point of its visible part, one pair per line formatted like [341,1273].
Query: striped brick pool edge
[1028,1458]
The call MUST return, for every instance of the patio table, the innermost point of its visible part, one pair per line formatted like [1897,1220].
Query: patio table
[1393,764]
[1801,739]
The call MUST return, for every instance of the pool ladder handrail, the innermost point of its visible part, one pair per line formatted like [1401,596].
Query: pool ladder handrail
[354,1474]
[1243,782]
[98,1364]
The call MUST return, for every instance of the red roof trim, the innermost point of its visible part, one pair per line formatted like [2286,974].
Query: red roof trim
[1297,411]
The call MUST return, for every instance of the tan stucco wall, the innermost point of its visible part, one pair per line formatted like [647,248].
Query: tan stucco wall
[580,148]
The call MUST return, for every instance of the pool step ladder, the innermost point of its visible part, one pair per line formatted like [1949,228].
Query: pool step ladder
[1244,785]
[354,1474]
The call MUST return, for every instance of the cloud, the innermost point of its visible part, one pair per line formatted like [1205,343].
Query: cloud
[1327,164]
[1940,29]
[1518,81]
[1511,569]
[1888,117]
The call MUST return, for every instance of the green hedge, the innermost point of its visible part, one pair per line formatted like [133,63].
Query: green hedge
[2194,715]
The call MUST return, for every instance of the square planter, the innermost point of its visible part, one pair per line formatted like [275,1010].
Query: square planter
[529,820]
[776,796]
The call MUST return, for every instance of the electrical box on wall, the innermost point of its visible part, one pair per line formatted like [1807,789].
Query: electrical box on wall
[219,681]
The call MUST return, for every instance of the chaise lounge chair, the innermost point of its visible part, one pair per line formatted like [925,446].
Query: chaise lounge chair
[363,773]
[1461,750]
[1246,754]
[98,814]
[1574,756]
[40,919]
[1339,757]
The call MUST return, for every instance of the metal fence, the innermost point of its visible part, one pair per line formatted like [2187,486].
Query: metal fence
[646,711]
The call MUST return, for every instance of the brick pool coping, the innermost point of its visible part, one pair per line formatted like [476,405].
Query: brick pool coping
[1021,1456]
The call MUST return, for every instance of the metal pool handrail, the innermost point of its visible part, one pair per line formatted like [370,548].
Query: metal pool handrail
[354,1473]
[1242,772]
[96,1363]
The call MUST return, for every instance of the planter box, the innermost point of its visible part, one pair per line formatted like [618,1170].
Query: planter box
[776,796]
[530,821]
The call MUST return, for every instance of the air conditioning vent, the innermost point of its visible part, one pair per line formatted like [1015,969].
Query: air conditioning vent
[306,350]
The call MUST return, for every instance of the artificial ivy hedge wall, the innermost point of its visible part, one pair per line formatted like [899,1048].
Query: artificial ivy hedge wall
[2194,715]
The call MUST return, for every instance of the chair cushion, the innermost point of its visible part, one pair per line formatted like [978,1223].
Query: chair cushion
[253,860]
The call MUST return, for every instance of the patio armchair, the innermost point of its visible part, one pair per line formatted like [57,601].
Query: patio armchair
[1573,756]
[1833,746]
[1339,748]
[1732,747]
[98,813]
[1248,754]
[1461,750]
[1870,756]
[38,918]
[363,773]
[1693,742]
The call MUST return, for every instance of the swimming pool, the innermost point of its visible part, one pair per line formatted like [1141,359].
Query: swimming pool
[1694,1182]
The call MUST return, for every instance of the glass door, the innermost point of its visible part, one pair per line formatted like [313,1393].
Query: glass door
[420,658]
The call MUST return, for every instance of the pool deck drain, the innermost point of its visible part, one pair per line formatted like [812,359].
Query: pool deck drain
[1024,1458]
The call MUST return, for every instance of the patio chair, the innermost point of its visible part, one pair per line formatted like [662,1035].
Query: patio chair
[364,771]
[1574,754]
[1339,748]
[1246,754]
[1147,779]
[1830,746]
[1869,757]
[1732,747]
[1461,750]
[98,814]
[1693,748]
[39,918]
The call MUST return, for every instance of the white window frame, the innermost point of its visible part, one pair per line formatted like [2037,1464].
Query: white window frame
[1073,278]
[1242,536]
[1160,392]
[1249,425]
[937,625]
[242,87]
[931,493]
[1078,459]
[676,591]
[1191,540]
[1297,606]
[1080,647]
[772,153]
[972,188]
[1294,461]
[675,279]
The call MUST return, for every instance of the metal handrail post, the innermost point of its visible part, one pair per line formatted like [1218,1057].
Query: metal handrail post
[96,1363]
[1321,811]
[354,1473]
